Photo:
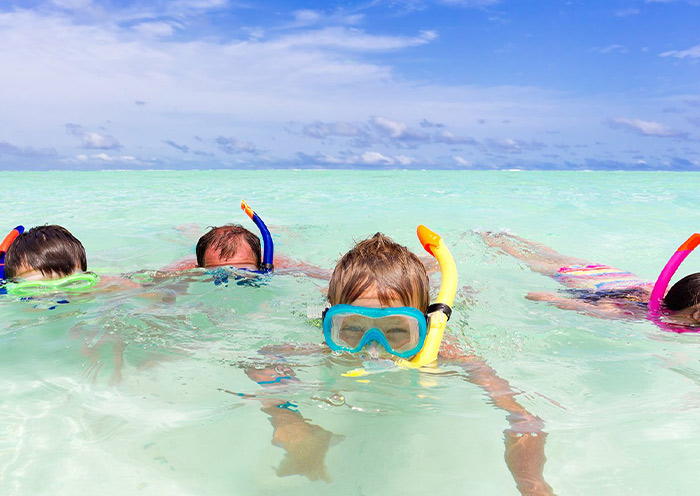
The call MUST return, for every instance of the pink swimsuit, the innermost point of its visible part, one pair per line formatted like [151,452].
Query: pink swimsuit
[598,277]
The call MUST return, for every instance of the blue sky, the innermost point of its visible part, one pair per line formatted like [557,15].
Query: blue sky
[474,84]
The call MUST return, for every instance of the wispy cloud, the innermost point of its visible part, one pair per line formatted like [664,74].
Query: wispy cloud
[233,146]
[447,137]
[182,148]
[627,12]
[91,139]
[342,38]
[397,131]
[387,131]
[510,145]
[613,49]
[646,128]
[427,123]
[322,130]
[18,151]
[690,53]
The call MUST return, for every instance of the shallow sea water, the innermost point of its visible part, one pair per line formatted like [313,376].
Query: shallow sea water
[620,400]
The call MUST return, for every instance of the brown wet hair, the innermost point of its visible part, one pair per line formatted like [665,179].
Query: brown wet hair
[228,240]
[684,294]
[50,249]
[378,262]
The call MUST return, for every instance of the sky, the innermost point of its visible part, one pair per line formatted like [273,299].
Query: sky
[411,84]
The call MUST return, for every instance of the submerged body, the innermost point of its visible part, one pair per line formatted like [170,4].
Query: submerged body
[600,290]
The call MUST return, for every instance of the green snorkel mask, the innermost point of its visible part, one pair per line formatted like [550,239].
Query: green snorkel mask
[76,283]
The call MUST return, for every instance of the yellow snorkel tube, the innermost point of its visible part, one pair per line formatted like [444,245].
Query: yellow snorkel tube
[440,311]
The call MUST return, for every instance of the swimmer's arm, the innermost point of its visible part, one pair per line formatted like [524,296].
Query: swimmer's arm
[185,263]
[524,439]
[286,265]
[305,444]
[601,310]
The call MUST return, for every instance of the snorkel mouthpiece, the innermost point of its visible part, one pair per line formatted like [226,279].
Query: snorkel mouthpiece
[439,312]
[269,249]
[9,239]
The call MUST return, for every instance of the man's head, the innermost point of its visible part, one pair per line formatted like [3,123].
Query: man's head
[45,252]
[378,268]
[231,244]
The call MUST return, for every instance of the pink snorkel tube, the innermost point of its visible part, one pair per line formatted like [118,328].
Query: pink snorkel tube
[657,294]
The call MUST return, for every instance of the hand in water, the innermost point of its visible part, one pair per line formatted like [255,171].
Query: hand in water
[306,446]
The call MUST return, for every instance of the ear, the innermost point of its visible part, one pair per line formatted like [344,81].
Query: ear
[695,315]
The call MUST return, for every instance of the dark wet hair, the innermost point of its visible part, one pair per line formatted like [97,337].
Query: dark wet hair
[684,294]
[393,270]
[52,250]
[227,240]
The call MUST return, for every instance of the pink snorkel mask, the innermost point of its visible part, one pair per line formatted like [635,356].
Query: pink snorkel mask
[657,294]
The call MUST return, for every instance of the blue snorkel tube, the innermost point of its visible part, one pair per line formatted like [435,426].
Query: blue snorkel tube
[9,239]
[269,248]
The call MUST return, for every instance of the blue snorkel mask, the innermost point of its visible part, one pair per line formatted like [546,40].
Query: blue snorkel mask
[9,239]
[268,246]
[401,331]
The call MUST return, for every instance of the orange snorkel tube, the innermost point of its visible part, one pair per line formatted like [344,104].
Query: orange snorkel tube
[9,239]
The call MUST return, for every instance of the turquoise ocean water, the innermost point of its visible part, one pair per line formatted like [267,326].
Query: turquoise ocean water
[620,400]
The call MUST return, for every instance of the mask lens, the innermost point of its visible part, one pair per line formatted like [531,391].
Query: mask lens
[400,332]
[351,328]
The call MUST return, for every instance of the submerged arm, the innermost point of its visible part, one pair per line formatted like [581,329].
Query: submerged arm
[601,309]
[524,439]
[538,257]
[305,444]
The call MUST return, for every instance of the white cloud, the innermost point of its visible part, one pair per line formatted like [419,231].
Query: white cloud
[307,16]
[397,130]
[469,3]
[72,4]
[462,161]
[692,53]
[646,128]
[613,48]
[92,140]
[405,160]
[234,146]
[322,130]
[104,157]
[627,12]
[342,38]
[155,28]
[376,158]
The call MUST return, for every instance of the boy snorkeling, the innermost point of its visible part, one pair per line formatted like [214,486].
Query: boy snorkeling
[379,297]
[43,258]
[606,292]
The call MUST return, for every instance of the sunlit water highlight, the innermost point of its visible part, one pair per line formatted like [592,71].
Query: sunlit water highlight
[620,400]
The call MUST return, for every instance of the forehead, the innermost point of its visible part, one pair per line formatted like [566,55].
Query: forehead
[370,298]
[244,256]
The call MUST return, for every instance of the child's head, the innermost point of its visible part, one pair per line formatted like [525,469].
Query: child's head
[378,268]
[45,252]
[231,244]
[685,296]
